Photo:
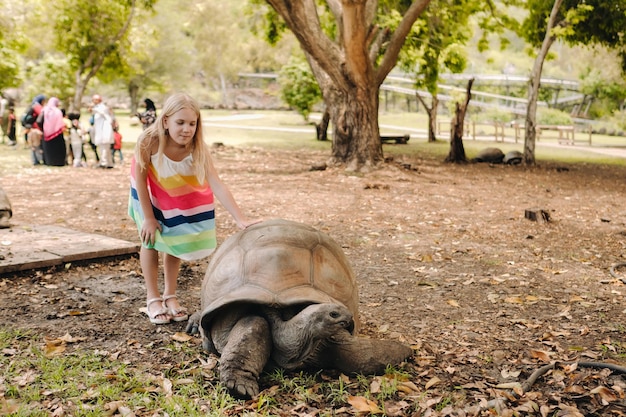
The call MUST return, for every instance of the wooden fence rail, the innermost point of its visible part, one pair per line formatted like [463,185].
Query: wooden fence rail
[566,134]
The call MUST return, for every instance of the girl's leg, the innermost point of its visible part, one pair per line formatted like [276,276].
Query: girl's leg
[171,267]
[149,260]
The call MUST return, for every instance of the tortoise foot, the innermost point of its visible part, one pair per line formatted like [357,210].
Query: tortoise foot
[244,354]
[240,384]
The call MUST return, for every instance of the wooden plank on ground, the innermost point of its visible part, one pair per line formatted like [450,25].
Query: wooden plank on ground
[30,247]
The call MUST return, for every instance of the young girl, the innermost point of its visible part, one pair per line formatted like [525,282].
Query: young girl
[173,181]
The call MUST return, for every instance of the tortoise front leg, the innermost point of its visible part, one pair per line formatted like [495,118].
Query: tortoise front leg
[244,355]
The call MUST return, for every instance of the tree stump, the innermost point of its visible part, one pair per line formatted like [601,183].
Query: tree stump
[537,215]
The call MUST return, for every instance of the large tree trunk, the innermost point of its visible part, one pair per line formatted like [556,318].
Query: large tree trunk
[133,92]
[457,151]
[356,137]
[533,89]
[79,91]
[349,68]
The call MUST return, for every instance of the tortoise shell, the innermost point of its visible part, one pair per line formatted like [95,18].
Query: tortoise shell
[492,155]
[278,263]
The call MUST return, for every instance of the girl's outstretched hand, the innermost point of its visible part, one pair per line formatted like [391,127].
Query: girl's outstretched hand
[245,223]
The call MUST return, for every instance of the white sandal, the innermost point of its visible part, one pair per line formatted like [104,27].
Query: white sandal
[176,314]
[163,311]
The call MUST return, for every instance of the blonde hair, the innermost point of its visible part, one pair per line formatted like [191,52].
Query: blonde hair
[156,131]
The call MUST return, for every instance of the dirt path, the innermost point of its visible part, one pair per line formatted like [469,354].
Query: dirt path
[444,257]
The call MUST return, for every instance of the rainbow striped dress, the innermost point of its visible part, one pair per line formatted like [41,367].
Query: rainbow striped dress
[183,207]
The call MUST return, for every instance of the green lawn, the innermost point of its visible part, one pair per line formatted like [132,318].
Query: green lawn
[288,130]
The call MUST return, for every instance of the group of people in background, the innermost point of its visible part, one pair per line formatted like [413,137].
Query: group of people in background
[57,139]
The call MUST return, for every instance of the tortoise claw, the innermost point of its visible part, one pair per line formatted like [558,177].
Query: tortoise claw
[241,387]
[193,324]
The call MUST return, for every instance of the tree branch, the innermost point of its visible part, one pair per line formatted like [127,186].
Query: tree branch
[355,42]
[302,19]
[397,39]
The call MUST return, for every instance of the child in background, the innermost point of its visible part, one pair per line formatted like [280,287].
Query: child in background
[117,143]
[66,136]
[11,132]
[77,137]
[173,182]
[34,141]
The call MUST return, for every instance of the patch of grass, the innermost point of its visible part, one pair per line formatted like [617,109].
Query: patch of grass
[614,350]
[336,392]
[35,382]
[88,384]
[287,130]
[15,159]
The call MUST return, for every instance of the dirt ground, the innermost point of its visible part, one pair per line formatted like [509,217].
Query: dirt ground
[446,261]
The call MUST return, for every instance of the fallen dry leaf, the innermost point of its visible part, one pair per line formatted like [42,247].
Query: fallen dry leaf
[604,393]
[67,338]
[407,387]
[433,381]
[453,303]
[375,385]
[8,406]
[53,347]
[166,384]
[181,337]
[363,405]
[540,354]
[427,258]
[509,374]
[25,379]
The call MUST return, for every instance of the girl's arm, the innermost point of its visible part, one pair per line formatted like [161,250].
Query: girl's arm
[221,191]
[150,223]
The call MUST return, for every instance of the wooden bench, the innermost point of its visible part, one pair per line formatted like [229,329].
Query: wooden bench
[402,140]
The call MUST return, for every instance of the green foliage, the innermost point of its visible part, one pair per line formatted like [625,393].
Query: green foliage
[619,119]
[11,47]
[609,93]
[53,72]
[455,58]
[492,115]
[265,21]
[9,69]
[299,88]
[585,23]
[83,28]
[546,116]
[437,42]
[93,34]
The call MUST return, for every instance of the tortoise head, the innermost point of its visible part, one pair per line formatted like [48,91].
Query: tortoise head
[325,319]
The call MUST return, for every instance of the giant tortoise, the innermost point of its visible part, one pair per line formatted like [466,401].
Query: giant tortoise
[490,155]
[5,210]
[282,294]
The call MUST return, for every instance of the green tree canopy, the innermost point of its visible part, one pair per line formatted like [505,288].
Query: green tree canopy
[91,33]
[586,22]
[11,46]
